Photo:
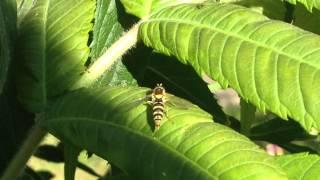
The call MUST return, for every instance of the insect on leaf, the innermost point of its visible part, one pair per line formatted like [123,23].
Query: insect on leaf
[188,146]
[271,64]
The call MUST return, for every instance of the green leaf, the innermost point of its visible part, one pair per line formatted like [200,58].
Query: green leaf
[15,121]
[116,124]
[272,64]
[24,7]
[301,166]
[309,4]
[52,49]
[8,19]
[142,8]
[107,29]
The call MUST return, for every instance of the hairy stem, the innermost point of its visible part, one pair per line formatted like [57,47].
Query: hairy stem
[119,48]
[26,150]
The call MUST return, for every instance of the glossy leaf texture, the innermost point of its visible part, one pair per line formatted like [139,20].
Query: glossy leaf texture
[107,29]
[309,4]
[143,8]
[300,166]
[271,64]
[116,124]
[52,49]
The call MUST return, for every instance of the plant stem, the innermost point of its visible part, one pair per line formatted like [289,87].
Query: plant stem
[247,117]
[104,62]
[26,150]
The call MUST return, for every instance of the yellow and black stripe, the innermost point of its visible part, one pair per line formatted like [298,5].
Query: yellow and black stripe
[158,112]
[158,99]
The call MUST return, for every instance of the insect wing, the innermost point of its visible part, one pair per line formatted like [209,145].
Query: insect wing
[133,100]
[178,103]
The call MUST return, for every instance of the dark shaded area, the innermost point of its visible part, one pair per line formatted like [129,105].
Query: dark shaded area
[289,14]
[125,19]
[116,177]
[30,174]
[287,134]
[50,153]
[294,148]
[15,121]
[15,124]
[278,131]
[56,154]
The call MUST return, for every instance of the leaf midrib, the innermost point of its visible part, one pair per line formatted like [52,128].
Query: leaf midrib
[123,128]
[199,25]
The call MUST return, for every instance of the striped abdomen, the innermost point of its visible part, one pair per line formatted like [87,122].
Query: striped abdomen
[158,112]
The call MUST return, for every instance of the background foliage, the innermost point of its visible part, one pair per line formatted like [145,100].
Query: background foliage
[267,51]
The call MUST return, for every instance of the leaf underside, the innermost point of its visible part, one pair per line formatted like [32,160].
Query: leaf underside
[107,29]
[143,8]
[52,49]
[300,166]
[269,63]
[116,124]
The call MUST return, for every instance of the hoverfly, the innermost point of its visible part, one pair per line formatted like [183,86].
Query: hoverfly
[157,102]
[161,102]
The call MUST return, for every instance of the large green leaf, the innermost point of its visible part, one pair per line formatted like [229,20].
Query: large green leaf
[300,166]
[309,4]
[116,124]
[107,29]
[23,7]
[142,8]
[269,63]
[8,19]
[52,49]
